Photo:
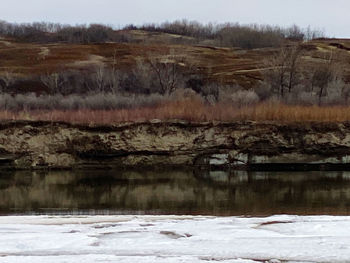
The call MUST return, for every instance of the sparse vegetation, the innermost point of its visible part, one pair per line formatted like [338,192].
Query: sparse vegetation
[96,101]
[276,74]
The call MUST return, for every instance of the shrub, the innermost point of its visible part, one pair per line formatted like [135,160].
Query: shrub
[96,101]
[244,98]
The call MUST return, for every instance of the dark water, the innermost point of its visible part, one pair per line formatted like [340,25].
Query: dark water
[174,192]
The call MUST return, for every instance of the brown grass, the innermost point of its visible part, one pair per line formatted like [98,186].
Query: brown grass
[223,65]
[192,110]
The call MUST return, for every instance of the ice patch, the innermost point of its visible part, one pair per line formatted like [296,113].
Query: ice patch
[175,239]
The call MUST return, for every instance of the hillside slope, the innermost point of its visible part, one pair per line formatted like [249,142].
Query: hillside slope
[222,65]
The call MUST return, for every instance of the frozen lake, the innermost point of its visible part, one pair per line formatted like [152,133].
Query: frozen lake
[174,239]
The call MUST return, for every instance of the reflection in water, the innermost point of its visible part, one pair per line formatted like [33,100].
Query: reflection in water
[174,192]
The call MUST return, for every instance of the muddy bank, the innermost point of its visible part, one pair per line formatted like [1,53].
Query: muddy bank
[241,144]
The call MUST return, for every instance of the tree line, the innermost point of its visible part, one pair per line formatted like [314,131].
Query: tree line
[234,34]
[227,34]
[45,32]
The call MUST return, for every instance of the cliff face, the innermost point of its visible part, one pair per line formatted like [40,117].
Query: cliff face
[155,143]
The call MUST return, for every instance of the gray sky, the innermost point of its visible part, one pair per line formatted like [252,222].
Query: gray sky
[329,15]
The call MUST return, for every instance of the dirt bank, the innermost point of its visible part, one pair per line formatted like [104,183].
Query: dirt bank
[175,143]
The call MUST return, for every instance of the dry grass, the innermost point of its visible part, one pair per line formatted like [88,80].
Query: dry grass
[27,59]
[192,110]
[223,65]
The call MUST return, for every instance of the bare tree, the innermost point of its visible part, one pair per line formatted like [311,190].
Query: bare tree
[293,60]
[6,78]
[295,33]
[113,79]
[99,76]
[283,69]
[166,70]
[53,81]
[327,72]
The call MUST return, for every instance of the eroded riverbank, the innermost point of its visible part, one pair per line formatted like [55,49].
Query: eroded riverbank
[37,145]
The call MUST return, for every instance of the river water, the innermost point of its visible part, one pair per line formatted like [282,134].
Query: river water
[177,192]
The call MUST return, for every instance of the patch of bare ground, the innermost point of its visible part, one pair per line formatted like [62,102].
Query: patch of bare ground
[93,60]
[45,51]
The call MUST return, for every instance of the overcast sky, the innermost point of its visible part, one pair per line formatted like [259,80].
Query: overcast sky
[329,15]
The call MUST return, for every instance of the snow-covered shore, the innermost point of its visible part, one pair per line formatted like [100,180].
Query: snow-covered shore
[174,239]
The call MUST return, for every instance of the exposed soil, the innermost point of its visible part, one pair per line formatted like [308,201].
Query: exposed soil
[177,143]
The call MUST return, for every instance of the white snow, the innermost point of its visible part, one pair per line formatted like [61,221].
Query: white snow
[174,239]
